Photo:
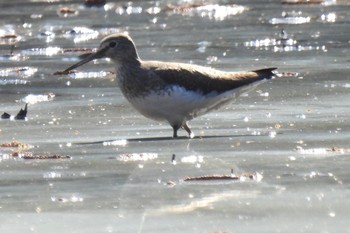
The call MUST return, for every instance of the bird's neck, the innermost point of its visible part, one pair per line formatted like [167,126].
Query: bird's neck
[129,76]
[126,67]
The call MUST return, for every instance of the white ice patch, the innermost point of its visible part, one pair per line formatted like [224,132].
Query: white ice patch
[33,99]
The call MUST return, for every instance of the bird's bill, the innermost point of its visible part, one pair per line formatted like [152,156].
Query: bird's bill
[99,54]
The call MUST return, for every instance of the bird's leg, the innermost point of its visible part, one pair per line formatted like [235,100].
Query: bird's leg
[188,130]
[175,128]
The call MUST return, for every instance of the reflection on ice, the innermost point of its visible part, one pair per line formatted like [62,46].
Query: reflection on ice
[72,199]
[23,72]
[207,201]
[137,157]
[284,43]
[267,42]
[329,18]
[192,159]
[321,151]
[290,20]
[48,35]
[218,12]
[89,75]
[52,175]
[13,82]
[292,17]
[12,57]
[308,2]
[211,11]
[129,9]
[121,142]
[49,51]
[80,34]
[202,46]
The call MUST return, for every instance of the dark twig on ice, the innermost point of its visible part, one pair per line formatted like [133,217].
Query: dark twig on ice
[21,115]
[173,158]
[5,116]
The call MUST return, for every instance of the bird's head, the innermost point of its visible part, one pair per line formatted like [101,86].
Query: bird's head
[118,47]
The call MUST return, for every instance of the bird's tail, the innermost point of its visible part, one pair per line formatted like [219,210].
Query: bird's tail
[267,73]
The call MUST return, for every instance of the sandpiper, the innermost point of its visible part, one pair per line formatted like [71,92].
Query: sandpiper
[169,91]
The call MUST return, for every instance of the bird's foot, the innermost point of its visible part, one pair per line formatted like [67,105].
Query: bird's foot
[188,130]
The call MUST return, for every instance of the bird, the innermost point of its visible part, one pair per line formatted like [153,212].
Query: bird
[169,91]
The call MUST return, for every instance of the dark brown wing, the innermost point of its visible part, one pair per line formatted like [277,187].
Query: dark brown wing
[203,79]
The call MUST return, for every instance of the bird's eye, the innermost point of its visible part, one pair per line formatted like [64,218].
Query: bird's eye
[112,44]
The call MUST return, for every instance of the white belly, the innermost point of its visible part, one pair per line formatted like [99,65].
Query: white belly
[178,104]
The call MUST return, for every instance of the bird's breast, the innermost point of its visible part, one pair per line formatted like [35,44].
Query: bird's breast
[134,83]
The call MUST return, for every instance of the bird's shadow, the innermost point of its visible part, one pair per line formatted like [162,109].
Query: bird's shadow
[159,139]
